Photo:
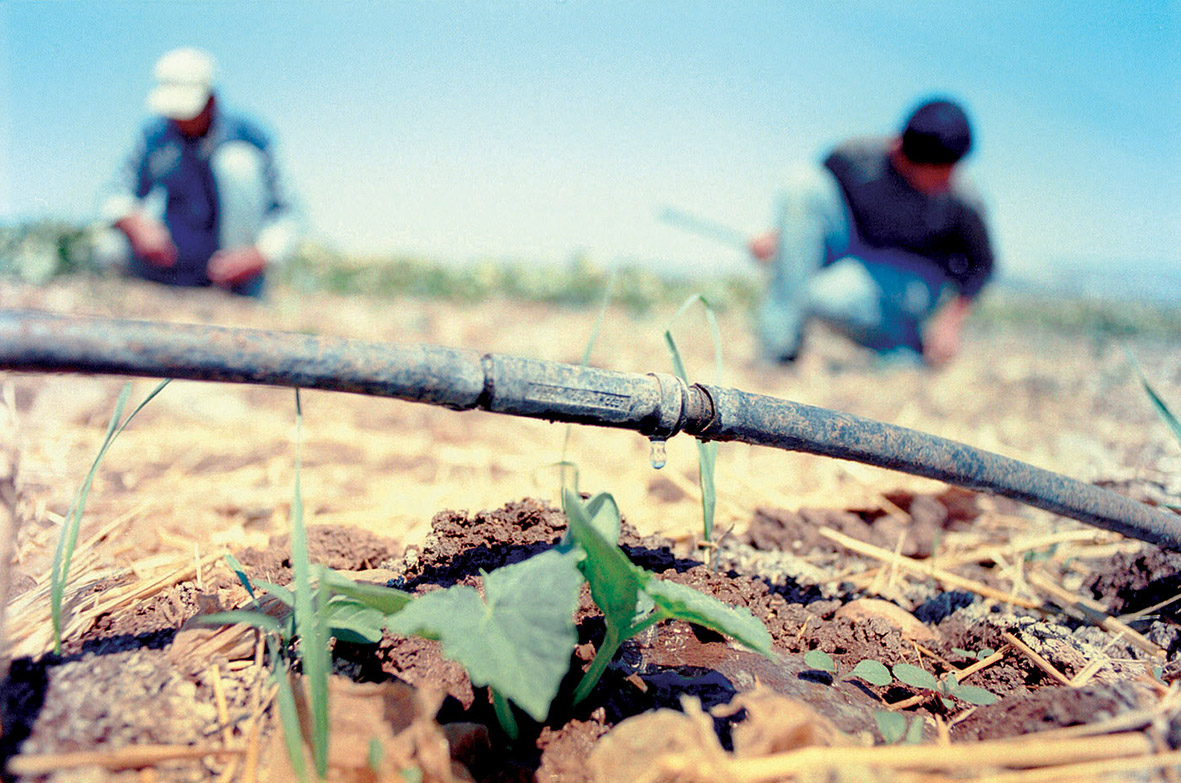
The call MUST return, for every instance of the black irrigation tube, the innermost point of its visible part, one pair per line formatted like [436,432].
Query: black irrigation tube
[656,405]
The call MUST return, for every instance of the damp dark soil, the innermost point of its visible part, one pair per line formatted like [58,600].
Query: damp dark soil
[118,685]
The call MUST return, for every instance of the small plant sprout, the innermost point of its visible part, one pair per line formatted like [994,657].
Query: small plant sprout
[979,655]
[632,599]
[893,728]
[69,536]
[707,451]
[873,672]
[945,688]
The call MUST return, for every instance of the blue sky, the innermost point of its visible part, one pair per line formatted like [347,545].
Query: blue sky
[535,129]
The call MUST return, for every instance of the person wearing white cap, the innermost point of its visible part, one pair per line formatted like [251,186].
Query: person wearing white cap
[198,201]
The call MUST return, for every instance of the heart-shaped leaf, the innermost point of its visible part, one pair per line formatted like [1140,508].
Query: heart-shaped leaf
[974,695]
[518,638]
[913,675]
[891,725]
[821,661]
[873,672]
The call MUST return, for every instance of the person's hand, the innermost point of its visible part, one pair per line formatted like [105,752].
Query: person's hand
[765,246]
[235,265]
[149,239]
[941,340]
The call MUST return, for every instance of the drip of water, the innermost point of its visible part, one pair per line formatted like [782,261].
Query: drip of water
[658,457]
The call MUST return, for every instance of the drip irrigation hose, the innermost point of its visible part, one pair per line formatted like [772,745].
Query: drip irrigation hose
[656,405]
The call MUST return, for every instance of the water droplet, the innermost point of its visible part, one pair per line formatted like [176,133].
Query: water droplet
[658,457]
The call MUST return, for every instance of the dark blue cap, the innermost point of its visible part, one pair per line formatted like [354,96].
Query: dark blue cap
[937,132]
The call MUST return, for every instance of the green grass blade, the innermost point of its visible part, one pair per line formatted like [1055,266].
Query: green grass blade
[309,623]
[288,712]
[707,453]
[240,572]
[68,541]
[1162,409]
[278,592]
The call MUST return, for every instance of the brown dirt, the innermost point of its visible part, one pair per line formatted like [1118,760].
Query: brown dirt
[376,474]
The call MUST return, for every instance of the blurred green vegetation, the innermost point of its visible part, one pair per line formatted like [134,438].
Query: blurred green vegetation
[36,252]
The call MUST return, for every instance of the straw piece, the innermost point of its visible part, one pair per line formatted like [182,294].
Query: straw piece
[1038,660]
[219,698]
[1020,546]
[123,758]
[1071,773]
[968,671]
[1093,611]
[919,568]
[965,756]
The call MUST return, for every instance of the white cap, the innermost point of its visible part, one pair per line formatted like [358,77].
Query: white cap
[184,82]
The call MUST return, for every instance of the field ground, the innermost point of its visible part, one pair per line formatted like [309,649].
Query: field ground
[207,468]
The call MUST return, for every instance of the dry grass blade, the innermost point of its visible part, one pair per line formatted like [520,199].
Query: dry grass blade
[123,758]
[1095,770]
[972,756]
[1093,611]
[1037,659]
[922,569]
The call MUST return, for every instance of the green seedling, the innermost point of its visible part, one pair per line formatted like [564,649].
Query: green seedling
[893,728]
[979,655]
[945,688]
[633,600]
[1158,403]
[707,451]
[873,672]
[516,639]
[73,521]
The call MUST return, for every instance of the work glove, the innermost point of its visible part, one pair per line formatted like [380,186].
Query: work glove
[235,265]
[149,239]
[764,247]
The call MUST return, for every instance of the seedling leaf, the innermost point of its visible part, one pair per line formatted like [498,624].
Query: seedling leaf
[351,620]
[679,602]
[962,652]
[240,572]
[1159,404]
[873,672]
[707,452]
[614,581]
[913,675]
[914,735]
[974,695]
[604,516]
[891,725]
[64,552]
[387,600]
[281,594]
[820,660]
[985,652]
[518,639]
